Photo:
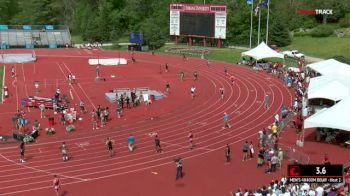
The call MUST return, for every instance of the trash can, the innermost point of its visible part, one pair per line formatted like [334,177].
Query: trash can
[51,121]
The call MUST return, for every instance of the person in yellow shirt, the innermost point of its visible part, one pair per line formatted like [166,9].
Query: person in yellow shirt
[274,129]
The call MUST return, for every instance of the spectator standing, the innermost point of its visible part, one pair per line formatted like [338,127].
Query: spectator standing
[280,157]
[245,151]
[128,106]
[274,161]
[82,107]
[251,150]
[277,119]
[261,157]
[94,120]
[42,110]
[319,190]
[266,101]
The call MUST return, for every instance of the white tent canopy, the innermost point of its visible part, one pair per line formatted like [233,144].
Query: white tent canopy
[329,87]
[262,52]
[336,117]
[331,67]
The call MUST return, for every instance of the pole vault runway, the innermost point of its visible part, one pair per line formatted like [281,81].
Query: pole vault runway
[144,172]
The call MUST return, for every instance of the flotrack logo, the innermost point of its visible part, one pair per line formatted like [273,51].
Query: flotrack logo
[316,12]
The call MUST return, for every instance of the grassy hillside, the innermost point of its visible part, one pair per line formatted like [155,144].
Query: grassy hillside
[322,47]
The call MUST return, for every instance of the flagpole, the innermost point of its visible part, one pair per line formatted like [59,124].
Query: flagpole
[251,25]
[259,27]
[267,21]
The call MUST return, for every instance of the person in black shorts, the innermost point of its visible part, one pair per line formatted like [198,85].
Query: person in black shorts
[245,151]
[167,87]
[157,142]
[228,153]
[21,149]
[166,67]
[109,144]
[195,76]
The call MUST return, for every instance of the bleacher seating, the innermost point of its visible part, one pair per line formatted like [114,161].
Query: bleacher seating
[35,36]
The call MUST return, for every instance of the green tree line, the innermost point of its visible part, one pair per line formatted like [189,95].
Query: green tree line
[108,20]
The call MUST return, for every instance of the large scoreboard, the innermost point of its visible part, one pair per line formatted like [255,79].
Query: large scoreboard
[198,20]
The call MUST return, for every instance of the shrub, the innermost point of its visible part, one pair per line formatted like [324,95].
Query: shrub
[322,31]
[301,34]
[345,22]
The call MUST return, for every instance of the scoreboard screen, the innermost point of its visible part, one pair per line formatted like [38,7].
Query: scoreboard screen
[199,20]
[201,24]
[315,173]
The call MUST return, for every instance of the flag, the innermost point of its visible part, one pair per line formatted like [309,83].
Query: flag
[256,11]
[265,4]
[249,2]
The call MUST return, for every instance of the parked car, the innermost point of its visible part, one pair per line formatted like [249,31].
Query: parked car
[293,54]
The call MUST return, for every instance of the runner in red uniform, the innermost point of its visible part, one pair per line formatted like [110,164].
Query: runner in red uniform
[56,184]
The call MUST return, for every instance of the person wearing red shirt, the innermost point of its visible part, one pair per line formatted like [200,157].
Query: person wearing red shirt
[56,184]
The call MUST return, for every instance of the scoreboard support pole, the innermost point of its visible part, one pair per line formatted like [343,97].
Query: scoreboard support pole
[219,43]
[204,42]
[176,40]
[190,41]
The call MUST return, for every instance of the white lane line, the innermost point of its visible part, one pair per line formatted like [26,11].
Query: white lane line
[26,90]
[24,77]
[93,105]
[186,147]
[43,171]
[17,102]
[3,84]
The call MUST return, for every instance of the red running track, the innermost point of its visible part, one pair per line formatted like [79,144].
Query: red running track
[91,172]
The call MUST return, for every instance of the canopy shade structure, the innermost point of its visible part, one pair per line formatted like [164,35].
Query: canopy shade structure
[329,87]
[336,117]
[331,67]
[262,52]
